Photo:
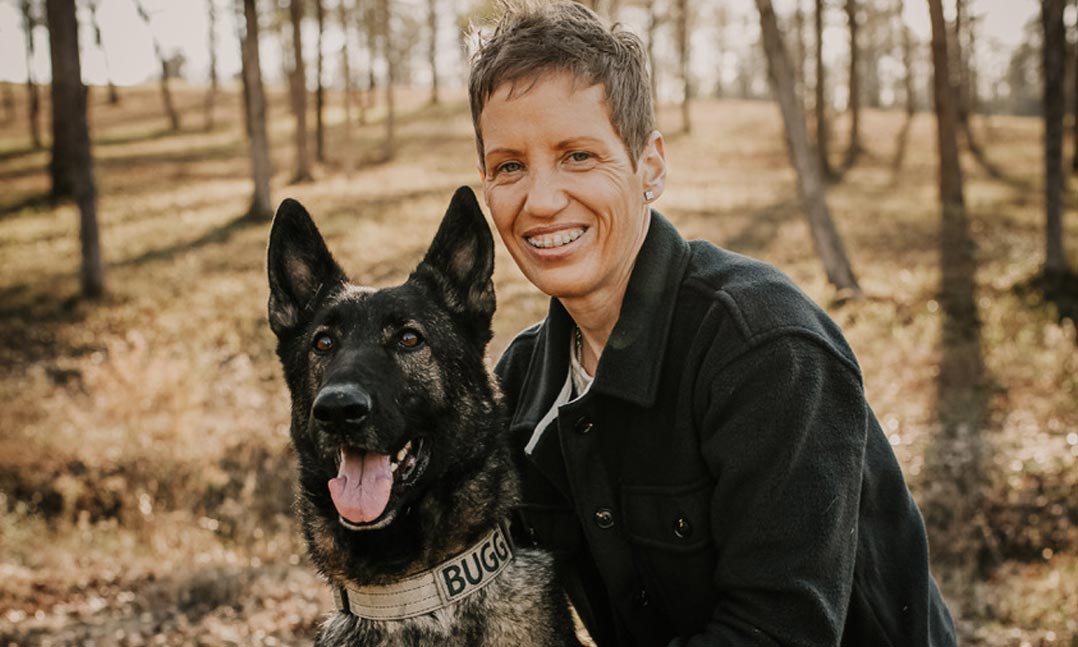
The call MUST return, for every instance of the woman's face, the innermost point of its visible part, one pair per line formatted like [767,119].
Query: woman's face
[561,186]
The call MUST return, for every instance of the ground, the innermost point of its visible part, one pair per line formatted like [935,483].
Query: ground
[145,472]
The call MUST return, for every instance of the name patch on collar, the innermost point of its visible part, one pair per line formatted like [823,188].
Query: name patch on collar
[475,569]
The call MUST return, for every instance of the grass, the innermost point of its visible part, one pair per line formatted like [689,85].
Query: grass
[145,473]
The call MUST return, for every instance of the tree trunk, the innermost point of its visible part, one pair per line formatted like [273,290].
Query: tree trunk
[211,94]
[1074,160]
[114,97]
[683,60]
[166,92]
[822,129]
[320,93]
[71,137]
[299,94]
[652,30]
[346,72]
[255,114]
[1055,44]
[31,87]
[950,173]
[389,145]
[854,147]
[432,53]
[802,53]
[9,104]
[907,63]
[809,181]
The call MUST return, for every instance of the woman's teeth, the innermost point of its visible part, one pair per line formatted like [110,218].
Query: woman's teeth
[556,239]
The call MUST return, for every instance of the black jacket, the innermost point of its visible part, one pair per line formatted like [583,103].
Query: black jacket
[723,482]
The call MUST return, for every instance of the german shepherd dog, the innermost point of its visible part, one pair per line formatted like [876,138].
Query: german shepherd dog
[405,477]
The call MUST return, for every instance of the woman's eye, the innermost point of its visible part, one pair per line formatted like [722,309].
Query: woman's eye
[510,167]
[579,156]
[409,339]
[323,343]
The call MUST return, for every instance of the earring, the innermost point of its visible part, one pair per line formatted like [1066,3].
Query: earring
[649,195]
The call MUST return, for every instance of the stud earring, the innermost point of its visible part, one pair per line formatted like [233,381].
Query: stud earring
[649,195]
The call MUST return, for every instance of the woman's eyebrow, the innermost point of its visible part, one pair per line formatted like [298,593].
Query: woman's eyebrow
[573,142]
[501,150]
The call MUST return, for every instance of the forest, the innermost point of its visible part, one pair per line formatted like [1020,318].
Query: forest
[909,163]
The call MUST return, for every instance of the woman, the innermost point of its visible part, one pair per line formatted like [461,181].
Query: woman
[694,440]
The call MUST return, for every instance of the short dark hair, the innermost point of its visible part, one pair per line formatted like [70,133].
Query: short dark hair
[532,38]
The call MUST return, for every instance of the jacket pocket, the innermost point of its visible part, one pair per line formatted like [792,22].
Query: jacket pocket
[669,529]
[674,518]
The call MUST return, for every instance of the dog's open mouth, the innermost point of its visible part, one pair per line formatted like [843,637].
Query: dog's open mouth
[366,482]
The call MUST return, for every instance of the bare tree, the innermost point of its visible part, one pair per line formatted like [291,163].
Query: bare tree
[854,147]
[114,96]
[166,93]
[389,54]
[320,92]
[211,94]
[344,17]
[1054,48]
[9,104]
[654,20]
[432,51]
[299,93]
[802,51]
[71,137]
[31,87]
[683,34]
[950,172]
[254,111]
[810,185]
[823,131]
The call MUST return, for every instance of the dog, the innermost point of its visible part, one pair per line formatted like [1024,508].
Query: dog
[405,476]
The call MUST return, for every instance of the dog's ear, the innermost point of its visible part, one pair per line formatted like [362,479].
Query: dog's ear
[300,266]
[461,258]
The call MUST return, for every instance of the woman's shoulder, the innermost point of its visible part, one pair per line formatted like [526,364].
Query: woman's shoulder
[759,299]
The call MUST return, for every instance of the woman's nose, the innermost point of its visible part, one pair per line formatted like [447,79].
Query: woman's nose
[546,197]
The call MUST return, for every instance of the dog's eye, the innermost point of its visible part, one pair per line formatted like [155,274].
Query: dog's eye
[323,343]
[409,339]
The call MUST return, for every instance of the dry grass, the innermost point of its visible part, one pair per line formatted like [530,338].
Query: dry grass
[145,475]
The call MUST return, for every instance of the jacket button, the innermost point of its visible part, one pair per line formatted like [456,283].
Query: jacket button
[583,426]
[682,528]
[604,518]
[640,599]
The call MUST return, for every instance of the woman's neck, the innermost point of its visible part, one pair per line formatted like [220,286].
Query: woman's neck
[595,316]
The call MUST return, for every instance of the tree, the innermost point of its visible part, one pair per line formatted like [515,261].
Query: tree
[654,21]
[343,16]
[1054,48]
[802,51]
[114,96]
[254,111]
[320,92]
[683,35]
[166,72]
[810,185]
[854,148]
[299,94]
[389,54]
[71,137]
[432,51]
[211,94]
[29,22]
[822,129]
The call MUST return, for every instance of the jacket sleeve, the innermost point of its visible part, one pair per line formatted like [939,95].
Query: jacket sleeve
[783,431]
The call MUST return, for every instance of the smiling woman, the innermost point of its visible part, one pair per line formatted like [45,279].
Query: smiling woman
[693,437]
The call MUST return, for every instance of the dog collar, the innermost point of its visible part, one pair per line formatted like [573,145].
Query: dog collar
[435,588]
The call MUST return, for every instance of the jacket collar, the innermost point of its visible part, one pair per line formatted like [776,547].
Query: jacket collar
[632,360]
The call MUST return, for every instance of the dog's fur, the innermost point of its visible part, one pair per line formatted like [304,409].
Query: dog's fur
[438,390]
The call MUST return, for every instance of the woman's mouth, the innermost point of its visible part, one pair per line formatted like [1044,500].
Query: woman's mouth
[555,239]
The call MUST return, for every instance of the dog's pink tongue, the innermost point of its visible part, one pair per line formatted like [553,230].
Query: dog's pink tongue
[361,490]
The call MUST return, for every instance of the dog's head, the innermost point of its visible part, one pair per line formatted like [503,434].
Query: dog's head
[383,382]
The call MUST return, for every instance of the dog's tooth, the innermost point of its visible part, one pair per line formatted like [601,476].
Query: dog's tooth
[393,466]
[403,452]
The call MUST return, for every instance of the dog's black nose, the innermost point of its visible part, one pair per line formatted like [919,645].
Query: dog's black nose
[342,404]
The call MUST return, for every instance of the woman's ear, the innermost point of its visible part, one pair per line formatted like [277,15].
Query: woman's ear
[652,165]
